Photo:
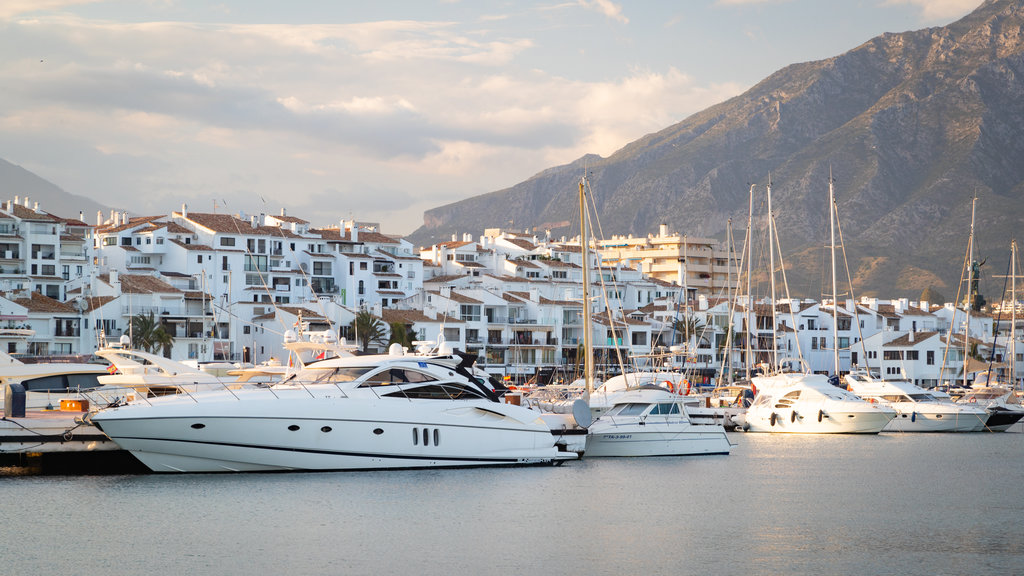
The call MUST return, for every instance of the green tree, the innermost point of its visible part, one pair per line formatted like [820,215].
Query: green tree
[689,327]
[149,334]
[369,330]
[401,333]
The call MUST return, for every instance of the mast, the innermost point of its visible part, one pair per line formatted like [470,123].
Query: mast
[771,267]
[1013,314]
[835,300]
[970,297]
[588,344]
[750,301]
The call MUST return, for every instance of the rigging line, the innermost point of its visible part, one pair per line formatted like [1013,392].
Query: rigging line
[590,204]
[856,315]
[952,322]
[785,285]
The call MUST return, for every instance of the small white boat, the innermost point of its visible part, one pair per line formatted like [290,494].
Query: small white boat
[802,403]
[917,410]
[1002,405]
[45,384]
[652,421]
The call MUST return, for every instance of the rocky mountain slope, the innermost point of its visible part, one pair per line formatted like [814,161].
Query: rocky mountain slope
[912,125]
[19,182]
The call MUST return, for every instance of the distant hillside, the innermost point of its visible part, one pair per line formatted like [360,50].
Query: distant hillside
[912,125]
[16,181]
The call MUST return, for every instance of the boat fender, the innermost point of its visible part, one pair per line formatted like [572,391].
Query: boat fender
[821,414]
[973,400]
[773,418]
[668,384]
[687,382]
[793,416]
[913,416]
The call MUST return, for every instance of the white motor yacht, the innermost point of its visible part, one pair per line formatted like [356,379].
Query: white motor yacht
[917,410]
[798,402]
[1001,403]
[396,410]
[45,384]
[652,421]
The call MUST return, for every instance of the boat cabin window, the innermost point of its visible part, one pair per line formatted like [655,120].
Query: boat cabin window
[438,391]
[895,398]
[666,408]
[393,376]
[61,382]
[630,409]
[331,375]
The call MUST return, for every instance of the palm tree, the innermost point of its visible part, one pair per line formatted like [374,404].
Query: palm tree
[149,334]
[368,329]
[401,333]
[689,327]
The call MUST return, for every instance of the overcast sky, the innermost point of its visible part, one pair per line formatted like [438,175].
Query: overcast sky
[379,110]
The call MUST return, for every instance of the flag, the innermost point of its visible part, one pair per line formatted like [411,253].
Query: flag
[111,369]
[290,360]
[322,355]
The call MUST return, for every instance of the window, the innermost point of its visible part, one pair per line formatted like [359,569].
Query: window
[929,356]
[639,338]
[394,376]
[110,241]
[224,241]
[126,241]
[321,268]
[199,259]
[469,312]
[362,265]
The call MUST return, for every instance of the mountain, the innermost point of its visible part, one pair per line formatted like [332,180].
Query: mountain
[24,184]
[912,125]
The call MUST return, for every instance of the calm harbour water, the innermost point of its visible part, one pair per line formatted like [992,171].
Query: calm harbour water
[887,504]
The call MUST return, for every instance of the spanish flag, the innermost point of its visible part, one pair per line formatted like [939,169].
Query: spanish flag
[111,369]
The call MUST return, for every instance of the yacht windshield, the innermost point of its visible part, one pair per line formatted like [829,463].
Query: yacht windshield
[631,409]
[331,375]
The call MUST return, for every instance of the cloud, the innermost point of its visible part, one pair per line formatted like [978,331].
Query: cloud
[386,118]
[606,7]
[935,10]
[12,8]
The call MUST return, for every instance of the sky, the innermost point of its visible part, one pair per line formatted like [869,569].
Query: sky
[378,111]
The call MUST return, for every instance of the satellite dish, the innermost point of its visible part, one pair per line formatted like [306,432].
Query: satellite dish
[81,305]
[581,413]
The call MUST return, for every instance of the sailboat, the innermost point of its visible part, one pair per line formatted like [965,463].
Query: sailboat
[798,401]
[637,416]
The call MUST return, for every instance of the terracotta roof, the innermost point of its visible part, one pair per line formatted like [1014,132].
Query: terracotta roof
[200,247]
[19,211]
[95,302]
[390,315]
[444,279]
[364,236]
[307,314]
[36,302]
[904,341]
[133,222]
[456,297]
[227,224]
[141,284]
[524,244]
[289,219]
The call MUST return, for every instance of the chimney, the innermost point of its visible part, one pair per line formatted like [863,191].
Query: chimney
[355,231]
[663,230]
[283,213]
[17,200]
[184,210]
[81,216]
[114,280]
[113,217]
[35,207]
[910,336]
[99,218]
[26,202]
[124,217]
[252,221]
[455,237]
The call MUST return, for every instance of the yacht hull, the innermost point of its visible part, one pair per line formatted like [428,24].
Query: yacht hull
[831,422]
[290,430]
[936,422]
[652,440]
[1000,419]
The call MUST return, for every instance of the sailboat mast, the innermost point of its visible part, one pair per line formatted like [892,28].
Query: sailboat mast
[750,300]
[771,268]
[1013,314]
[588,344]
[835,300]
[970,297]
